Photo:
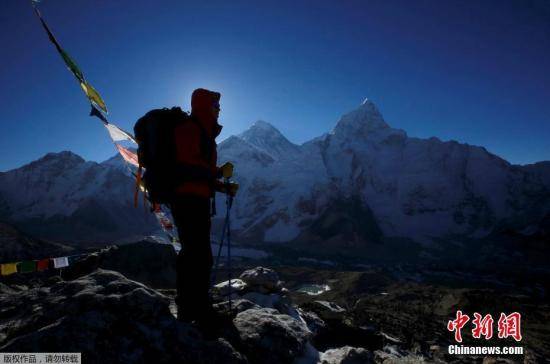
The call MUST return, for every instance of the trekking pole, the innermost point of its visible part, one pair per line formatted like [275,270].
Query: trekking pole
[229,203]
[225,234]
[213,280]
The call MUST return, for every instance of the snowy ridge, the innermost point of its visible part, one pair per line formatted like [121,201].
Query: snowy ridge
[61,196]
[417,188]
[362,180]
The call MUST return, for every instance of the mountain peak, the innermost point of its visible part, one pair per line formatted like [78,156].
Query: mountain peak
[66,158]
[262,124]
[65,154]
[267,138]
[366,101]
[369,107]
[54,161]
[365,119]
[260,128]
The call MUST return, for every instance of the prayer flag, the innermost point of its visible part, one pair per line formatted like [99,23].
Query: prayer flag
[72,65]
[8,268]
[60,262]
[118,134]
[99,109]
[27,266]
[66,58]
[164,221]
[93,95]
[128,155]
[42,264]
[99,114]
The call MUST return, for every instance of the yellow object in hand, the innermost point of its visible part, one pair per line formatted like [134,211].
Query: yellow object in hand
[227,170]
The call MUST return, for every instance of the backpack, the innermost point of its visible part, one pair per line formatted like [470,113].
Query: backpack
[154,133]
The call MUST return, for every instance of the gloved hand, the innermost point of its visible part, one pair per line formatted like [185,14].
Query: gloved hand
[226,170]
[230,188]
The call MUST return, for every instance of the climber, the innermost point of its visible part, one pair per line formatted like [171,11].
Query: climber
[197,181]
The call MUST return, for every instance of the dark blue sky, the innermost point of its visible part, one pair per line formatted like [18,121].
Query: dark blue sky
[472,71]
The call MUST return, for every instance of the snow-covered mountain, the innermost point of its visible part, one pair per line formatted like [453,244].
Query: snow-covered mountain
[360,182]
[269,140]
[365,179]
[60,196]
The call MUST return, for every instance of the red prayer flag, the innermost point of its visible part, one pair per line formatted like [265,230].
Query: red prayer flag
[128,155]
[42,264]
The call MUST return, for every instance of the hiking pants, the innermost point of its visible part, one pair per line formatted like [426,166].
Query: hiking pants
[194,262]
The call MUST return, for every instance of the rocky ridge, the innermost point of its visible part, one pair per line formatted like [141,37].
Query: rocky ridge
[110,318]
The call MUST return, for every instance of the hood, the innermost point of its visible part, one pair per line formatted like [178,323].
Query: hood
[202,102]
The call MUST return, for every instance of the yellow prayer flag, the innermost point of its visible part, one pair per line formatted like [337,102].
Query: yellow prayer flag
[93,95]
[8,268]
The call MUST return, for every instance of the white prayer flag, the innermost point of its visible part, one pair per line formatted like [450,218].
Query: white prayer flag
[118,134]
[60,262]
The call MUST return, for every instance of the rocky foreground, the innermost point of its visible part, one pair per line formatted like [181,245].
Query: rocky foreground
[366,317]
[112,319]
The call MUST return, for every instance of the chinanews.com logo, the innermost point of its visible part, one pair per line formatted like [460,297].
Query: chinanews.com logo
[508,326]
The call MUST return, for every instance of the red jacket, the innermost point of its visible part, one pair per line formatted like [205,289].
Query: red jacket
[196,156]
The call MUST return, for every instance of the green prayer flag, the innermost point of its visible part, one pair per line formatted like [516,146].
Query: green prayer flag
[68,60]
[91,93]
[27,266]
[72,65]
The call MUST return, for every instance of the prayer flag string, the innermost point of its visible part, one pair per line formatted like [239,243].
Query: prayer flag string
[117,135]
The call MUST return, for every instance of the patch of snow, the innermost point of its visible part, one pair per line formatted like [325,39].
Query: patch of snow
[313,289]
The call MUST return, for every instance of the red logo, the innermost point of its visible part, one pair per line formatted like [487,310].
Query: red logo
[508,326]
[483,326]
[457,324]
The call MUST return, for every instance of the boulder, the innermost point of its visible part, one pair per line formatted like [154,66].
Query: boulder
[313,321]
[347,355]
[328,311]
[273,300]
[271,337]
[331,327]
[107,317]
[392,354]
[263,300]
[263,280]
[222,289]
[238,305]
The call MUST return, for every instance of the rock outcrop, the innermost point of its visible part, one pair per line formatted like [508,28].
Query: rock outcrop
[107,317]
[347,355]
[271,337]
[112,319]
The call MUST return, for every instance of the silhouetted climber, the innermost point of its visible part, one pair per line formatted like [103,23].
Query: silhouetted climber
[197,177]
[178,152]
